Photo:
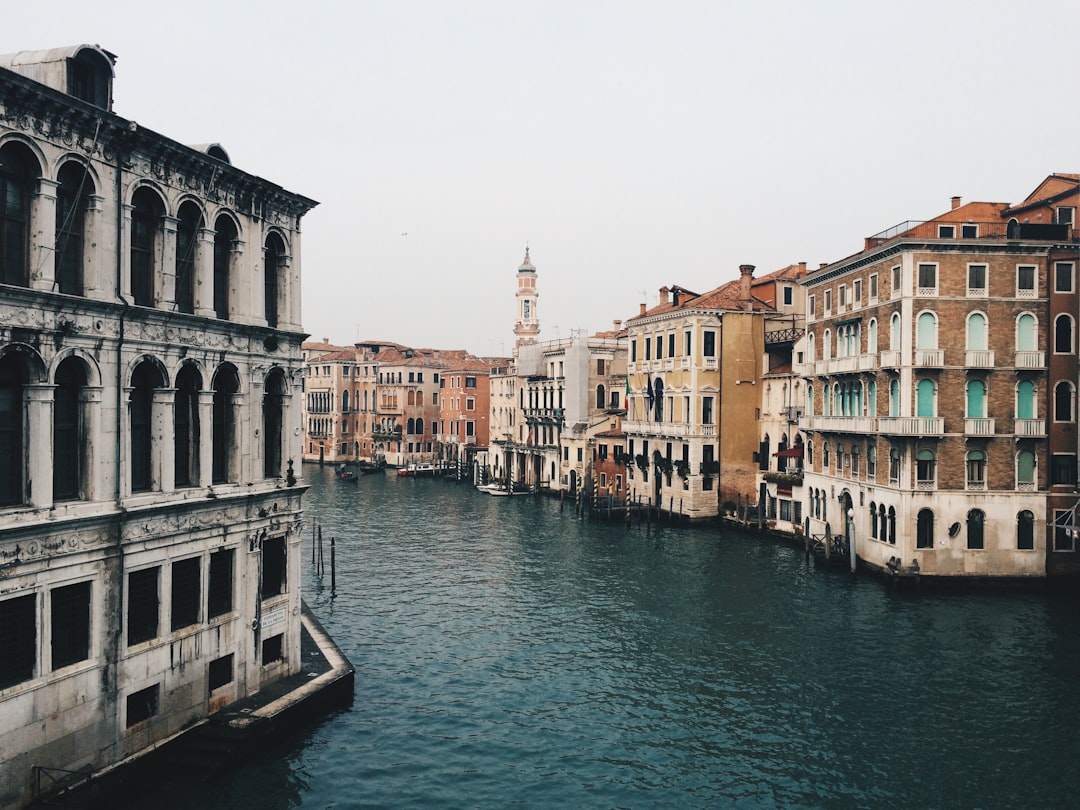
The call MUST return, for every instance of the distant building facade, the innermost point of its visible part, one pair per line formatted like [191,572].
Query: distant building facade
[149,375]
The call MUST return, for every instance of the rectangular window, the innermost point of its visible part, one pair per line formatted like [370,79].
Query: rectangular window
[18,639]
[977,275]
[1063,277]
[841,296]
[220,672]
[789,296]
[706,410]
[648,349]
[143,606]
[1063,469]
[1025,281]
[927,277]
[579,454]
[856,292]
[659,347]
[185,593]
[470,382]
[873,287]
[1064,215]
[671,344]
[219,597]
[275,558]
[811,306]
[273,649]
[70,623]
[686,343]
[785,510]
[828,302]
[969,231]
[633,351]
[772,508]
[708,343]
[470,428]
[142,705]
[946,231]
[896,278]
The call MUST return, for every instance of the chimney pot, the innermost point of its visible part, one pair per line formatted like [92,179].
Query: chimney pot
[955,203]
[664,295]
[642,308]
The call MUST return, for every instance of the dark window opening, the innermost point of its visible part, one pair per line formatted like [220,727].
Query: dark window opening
[274,261]
[187,241]
[70,624]
[224,242]
[186,428]
[273,419]
[185,593]
[275,556]
[1025,530]
[220,672]
[72,201]
[67,430]
[220,589]
[142,612]
[226,386]
[143,382]
[18,639]
[12,393]
[273,649]
[17,172]
[142,705]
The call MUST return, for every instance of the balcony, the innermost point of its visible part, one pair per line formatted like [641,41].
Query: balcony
[669,364]
[544,414]
[979,358]
[1030,428]
[792,478]
[684,363]
[929,358]
[912,425]
[709,364]
[890,358]
[979,427]
[673,430]
[1029,360]
[838,424]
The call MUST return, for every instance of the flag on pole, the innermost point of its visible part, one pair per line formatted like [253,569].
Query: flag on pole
[649,391]
[626,397]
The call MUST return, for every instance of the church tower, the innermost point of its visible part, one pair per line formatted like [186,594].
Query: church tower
[527,326]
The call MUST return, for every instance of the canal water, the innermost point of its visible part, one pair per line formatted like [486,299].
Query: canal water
[509,653]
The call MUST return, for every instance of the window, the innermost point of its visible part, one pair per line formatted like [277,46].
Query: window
[146,214]
[633,351]
[925,469]
[1063,334]
[873,287]
[977,332]
[219,592]
[273,649]
[671,344]
[144,380]
[12,463]
[1064,215]
[187,240]
[220,672]
[976,469]
[946,231]
[969,231]
[70,624]
[470,403]
[789,296]
[185,593]
[1064,530]
[894,332]
[18,169]
[186,427]
[707,410]
[226,387]
[224,245]
[824,456]
[894,466]
[1025,470]
[142,608]
[828,302]
[601,397]
[927,276]
[841,296]
[1063,277]
[72,201]
[925,398]
[811,306]
[1025,281]
[924,529]
[1063,469]
[856,292]
[1025,333]
[273,419]
[142,705]
[68,437]
[871,461]
[274,566]
[896,278]
[976,283]
[976,399]
[1025,530]
[648,348]
[708,339]
[975,525]
[18,637]
[1063,401]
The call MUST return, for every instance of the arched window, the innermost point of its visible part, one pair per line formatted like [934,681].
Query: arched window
[839,458]
[601,397]
[144,380]
[894,465]
[1025,470]
[1063,334]
[810,348]
[855,456]
[146,214]
[894,332]
[976,469]
[1025,400]
[809,453]
[926,331]
[883,526]
[225,238]
[420,427]
[419,397]
[825,456]
[871,338]
[894,397]
[871,398]
[892,525]
[273,417]
[871,461]
[925,469]
[976,399]
[410,426]
[273,267]
[187,242]
[72,201]
[226,388]
[924,398]
[826,345]
[69,440]
[186,427]
[924,529]
[810,399]
[1025,333]
[18,170]
[873,520]
[977,332]
[1025,530]
[1063,401]
[13,380]
[345,401]
[975,525]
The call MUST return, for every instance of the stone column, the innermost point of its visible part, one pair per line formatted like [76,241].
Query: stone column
[97,271]
[238,441]
[204,277]
[94,482]
[206,438]
[163,453]
[39,449]
[240,295]
[43,235]
[165,292]
[124,249]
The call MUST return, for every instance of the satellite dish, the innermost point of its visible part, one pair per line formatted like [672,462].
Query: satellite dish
[954,529]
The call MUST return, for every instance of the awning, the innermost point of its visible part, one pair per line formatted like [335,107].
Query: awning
[791,452]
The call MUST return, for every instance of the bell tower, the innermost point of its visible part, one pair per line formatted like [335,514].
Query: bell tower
[527,325]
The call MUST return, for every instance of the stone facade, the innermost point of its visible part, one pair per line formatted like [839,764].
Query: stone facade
[149,357]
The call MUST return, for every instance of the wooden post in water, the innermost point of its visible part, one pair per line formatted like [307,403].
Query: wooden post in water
[322,563]
[333,565]
[313,542]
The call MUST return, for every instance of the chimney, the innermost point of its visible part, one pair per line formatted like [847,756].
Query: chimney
[955,203]
[802,269]
[664,295]
[618,324]
[642,308]
[746,275]
[675,295]
[822,264]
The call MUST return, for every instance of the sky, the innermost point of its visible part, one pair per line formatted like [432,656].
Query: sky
[629,145]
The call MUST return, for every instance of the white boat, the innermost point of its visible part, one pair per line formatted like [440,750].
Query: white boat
[500,489]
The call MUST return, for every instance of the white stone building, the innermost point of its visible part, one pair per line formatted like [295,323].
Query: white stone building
[149,356]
